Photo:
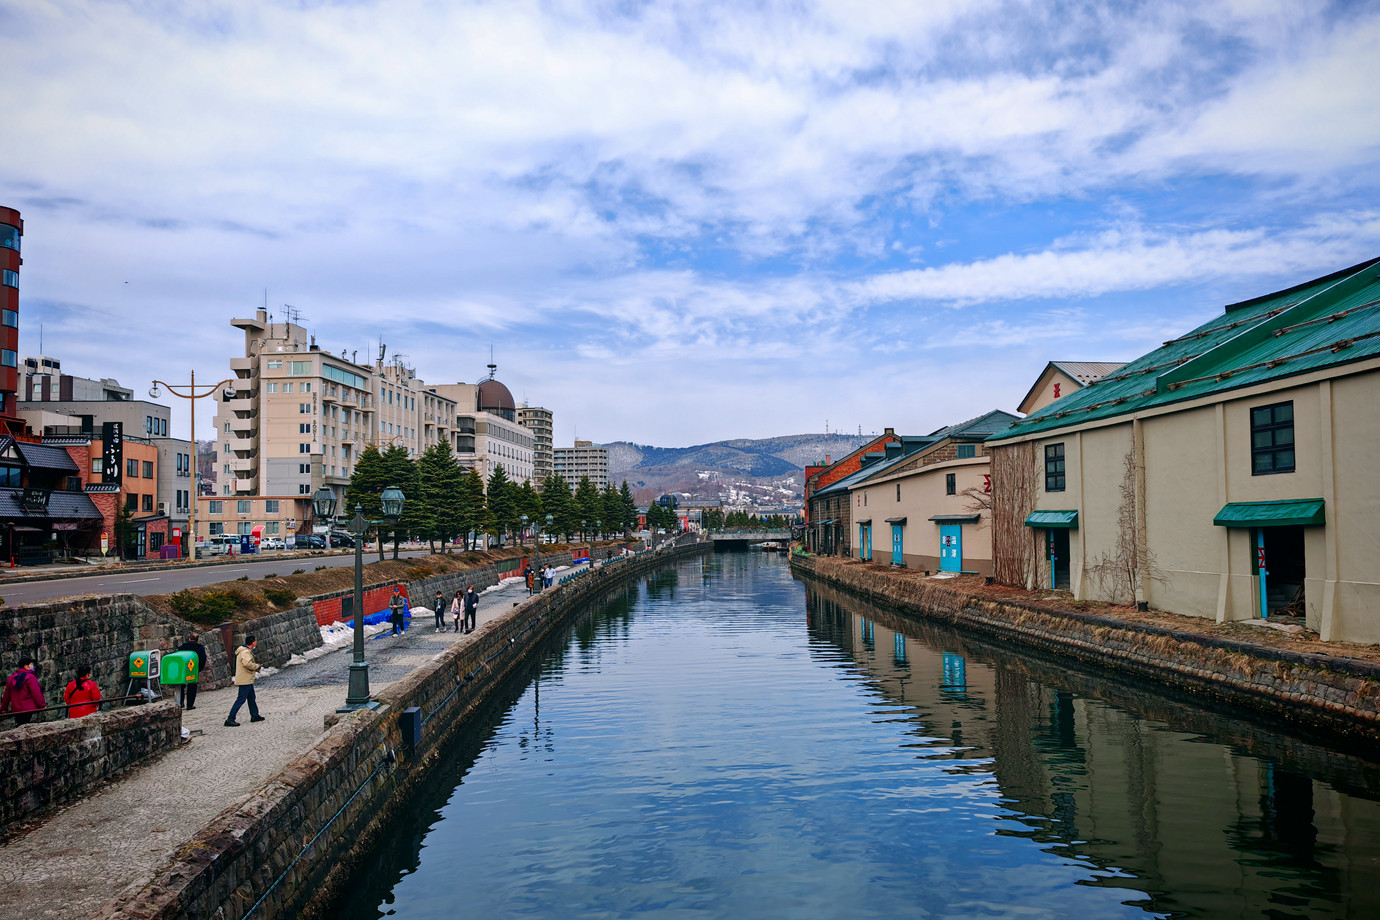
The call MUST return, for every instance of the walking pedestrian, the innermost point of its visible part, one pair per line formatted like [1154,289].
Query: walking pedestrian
[246,670]
[189,690]
[531,579]
[397,610]
[82,696]
[22,694]
[440,612]
[548,577]
[471,608]
[457,610]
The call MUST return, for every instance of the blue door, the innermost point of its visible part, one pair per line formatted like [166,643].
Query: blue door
[950,547]
[864,551]
[897,544]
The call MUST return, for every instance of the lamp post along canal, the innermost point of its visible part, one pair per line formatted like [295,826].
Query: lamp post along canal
[324,504]
[538,582]
[190,392]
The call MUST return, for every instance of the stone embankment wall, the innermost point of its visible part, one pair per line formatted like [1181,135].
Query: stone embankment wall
[286,848]
[280,635]
[100,632]
[1338,694]
[47,764]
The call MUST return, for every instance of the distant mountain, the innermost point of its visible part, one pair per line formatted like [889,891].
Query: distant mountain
[759,458]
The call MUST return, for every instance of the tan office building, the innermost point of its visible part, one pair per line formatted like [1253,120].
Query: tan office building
[540,422]
[1229,474]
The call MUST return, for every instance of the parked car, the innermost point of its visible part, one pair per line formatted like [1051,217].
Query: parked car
[341,539]
[271,543]
[311,541]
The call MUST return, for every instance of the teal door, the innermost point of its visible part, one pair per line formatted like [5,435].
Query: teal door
[950,548]
[897,544]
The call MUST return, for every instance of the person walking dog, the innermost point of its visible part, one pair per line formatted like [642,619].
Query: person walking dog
[82,696]
[457,610]
[189,690]
[23,696]
[246,670]
[471,608]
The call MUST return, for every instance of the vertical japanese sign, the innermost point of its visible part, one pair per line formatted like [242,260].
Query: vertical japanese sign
[113,453]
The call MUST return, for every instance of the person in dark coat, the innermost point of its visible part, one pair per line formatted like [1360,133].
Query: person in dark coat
[23,696]
[82,696]
[397,610]
[471,608]
[440,612]
[191,645]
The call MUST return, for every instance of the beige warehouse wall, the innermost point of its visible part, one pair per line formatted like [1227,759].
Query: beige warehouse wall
[1183,492]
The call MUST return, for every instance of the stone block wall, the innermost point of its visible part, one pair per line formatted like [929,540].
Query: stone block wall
[1340,695]
[100,632]
[288,846]
[47,764]
[280,635]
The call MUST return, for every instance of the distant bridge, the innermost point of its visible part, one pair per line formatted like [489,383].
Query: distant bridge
[749,536]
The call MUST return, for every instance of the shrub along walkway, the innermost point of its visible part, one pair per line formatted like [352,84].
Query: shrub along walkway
[84,855]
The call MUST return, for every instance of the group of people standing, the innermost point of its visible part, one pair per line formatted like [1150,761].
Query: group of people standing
[23,695]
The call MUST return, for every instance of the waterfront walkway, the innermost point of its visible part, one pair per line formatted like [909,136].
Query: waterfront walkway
[87,853]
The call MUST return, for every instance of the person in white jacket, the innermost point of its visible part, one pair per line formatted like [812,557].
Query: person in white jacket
[246,670]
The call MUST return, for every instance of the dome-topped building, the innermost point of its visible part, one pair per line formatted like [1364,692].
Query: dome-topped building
[494,397]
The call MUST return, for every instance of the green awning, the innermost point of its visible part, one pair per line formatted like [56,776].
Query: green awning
[1067,519]
[1308,512]
[956,518]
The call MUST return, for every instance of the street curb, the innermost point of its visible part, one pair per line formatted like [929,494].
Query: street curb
[169,567]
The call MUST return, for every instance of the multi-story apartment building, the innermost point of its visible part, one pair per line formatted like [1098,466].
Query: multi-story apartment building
[584,459]
[11,231]
[41,380]
[299,418]
[539,421]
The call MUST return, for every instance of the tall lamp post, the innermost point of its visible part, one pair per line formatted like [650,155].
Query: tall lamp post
[324,504]
[189,392]
[538,583]
[597,525]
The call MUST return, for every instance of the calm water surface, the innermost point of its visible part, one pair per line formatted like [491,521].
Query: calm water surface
[722,743]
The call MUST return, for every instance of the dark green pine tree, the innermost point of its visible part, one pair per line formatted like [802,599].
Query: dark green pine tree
[529,503]
[556,499]
[442,488]
[629,518]
[588,505]
[474,509]
[402,473]
[367,482]
[503,513]
[611,509]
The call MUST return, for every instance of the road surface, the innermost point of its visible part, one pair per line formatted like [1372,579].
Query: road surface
[116,582]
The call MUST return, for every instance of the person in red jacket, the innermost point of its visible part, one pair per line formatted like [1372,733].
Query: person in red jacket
[22,694]
[82,695]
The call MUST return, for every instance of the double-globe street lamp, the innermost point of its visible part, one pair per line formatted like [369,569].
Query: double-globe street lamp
[323,504]
[538,582]
[190,393]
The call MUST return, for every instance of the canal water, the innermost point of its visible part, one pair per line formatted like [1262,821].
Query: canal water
[721,742]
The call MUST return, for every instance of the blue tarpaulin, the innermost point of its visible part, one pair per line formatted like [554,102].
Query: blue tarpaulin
[374,619]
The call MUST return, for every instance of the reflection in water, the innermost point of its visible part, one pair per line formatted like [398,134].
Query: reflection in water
[722,743]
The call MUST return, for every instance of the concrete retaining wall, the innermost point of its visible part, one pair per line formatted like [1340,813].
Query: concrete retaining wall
[47,764]
[1341,695]
[284,850]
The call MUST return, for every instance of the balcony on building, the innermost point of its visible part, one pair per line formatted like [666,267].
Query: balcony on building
[243,402]
[244,367]
[242,445]
[243,465]
[248,485]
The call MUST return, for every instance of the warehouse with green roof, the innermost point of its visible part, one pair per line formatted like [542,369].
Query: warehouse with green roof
[1230,473]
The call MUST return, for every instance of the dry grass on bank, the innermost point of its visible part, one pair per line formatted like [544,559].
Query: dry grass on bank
[913,586]
[241,600]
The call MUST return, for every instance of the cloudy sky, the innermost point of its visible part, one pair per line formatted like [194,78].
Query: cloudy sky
[679,222]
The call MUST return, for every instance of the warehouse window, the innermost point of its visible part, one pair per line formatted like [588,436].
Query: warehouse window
[1272,439]
[967,450]
[1054,467]
[950,484]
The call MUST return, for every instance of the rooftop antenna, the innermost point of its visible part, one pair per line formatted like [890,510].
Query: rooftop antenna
[40,338]
[294,315]
[383,350]
[492,366]
[354,355]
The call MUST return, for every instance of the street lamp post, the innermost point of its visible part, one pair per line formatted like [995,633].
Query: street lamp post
[189,393]
[597,525]
[324,504]
[538,583]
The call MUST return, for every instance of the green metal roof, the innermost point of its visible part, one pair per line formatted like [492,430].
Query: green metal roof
[1052,519]
[1308,512]
[1325,322]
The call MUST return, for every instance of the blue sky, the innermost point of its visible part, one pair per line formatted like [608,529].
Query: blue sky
[679,222]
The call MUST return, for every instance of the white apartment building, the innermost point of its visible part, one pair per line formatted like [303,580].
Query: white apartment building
[584,459]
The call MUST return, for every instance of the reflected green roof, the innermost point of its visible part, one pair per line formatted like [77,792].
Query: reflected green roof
[1329,321]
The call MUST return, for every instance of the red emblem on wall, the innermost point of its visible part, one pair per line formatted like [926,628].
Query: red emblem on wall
[987,482]
[1056,391]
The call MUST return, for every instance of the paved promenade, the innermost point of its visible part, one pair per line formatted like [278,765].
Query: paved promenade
[89,852]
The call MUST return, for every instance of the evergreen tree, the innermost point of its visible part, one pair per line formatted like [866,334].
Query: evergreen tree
[611,510]
[442,488]
[629,519]
[474,511]
[529,503]
[588,505]
[402,474]
[503,513]
[556,499]
[367,482]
